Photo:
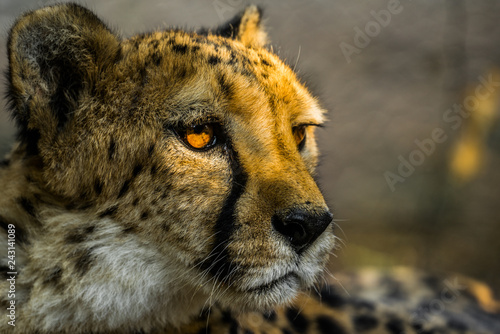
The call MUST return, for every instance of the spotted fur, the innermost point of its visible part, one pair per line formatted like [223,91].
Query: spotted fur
[121,227]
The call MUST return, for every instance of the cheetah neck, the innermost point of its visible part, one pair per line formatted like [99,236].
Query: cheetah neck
[57,281]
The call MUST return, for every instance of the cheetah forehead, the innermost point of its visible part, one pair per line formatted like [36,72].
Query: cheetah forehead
[201,74]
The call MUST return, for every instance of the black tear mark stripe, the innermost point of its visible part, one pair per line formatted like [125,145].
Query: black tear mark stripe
[219,263]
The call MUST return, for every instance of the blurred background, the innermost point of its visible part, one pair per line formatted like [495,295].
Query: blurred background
[411,154]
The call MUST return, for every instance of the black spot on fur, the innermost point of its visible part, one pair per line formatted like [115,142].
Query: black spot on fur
[154,169]
[4,163]
[79,235]
[3,272]
[195,48]
[225,86]
[4,224]
[417,326]
[297,320]
[156,58]
[124,188]
[129,229]
[144,215]
[109,211]
[84,260]
[27,206]
[180,48]
[143,74]
[53,277]
[331,298]
[214,60]
[151,149]
[395,326]
[227,317]
[98,186]
[286,331]
[111,149]
[89,229]
[233,60]
[265,62]
[233,329]
[181,72]
[74,238]
[433,282]
[81,204]
[270,316]
[327,325]
[394,288]
[365,322]
[136,201]
[137,169]
[360,304]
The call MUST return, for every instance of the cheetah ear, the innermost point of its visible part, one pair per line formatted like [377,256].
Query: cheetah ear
[55,55]
[245,27]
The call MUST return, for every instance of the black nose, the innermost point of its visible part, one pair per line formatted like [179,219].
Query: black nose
[300,227]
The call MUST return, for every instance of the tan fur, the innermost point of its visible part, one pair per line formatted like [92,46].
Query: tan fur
[120,226]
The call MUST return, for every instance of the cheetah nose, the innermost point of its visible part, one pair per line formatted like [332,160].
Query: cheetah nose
[300,227]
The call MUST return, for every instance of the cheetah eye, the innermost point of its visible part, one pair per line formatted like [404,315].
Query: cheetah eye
[200,137]
[299,134]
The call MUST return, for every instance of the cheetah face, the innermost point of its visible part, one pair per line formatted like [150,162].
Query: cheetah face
[197,146]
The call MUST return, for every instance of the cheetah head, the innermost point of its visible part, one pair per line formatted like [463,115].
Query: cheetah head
[171,167]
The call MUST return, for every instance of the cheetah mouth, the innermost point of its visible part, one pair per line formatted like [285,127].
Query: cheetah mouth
[285,280]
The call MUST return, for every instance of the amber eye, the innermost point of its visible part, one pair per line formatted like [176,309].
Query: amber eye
[202,136]
[299,134]
[199,136]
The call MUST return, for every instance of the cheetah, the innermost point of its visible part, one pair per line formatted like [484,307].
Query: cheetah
[165,183]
